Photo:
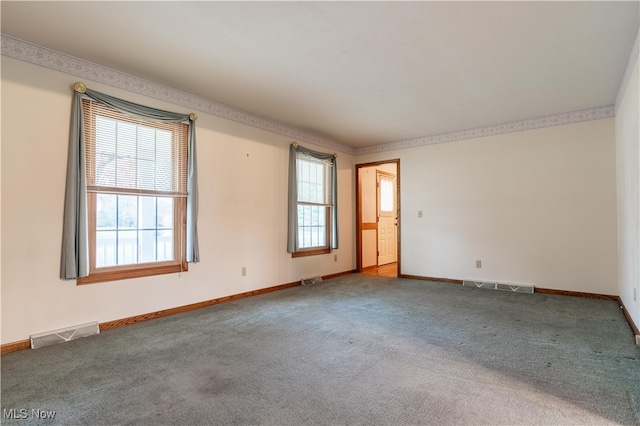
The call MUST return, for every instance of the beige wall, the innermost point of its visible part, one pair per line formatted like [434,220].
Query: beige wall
[628,161]
[537,207]
[242,215]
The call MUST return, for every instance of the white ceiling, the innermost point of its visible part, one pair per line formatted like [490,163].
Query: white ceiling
[360,73]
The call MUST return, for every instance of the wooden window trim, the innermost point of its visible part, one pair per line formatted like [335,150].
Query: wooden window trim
[310,252]
[135,271]
[318,250]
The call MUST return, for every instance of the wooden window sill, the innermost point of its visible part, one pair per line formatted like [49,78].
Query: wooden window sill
[311,252]
[134,272]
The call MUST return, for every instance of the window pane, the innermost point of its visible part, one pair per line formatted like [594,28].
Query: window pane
[105,151]
[312,226]
[146,143]
[127,211]
[386,195]
[105,248]
[147,212]
[312,182]
[147,246]
[164,161]
[127,247]
[165,212]
[106,209]
[134,229]
[165,245]
[126,134]
[132,155]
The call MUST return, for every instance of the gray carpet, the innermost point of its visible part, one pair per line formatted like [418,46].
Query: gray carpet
[352,350]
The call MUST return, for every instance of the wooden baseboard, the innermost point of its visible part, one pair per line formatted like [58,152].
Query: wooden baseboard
[26,344]
[193,306]
[632,324]
[15,346]
[339,274]
[419,277]
[186,308]
[576,294]
[541,290]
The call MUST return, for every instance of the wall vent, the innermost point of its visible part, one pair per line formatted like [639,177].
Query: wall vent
[313,280]
[63,335]
[493,285]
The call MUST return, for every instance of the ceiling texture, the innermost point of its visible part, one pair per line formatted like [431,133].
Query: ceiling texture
[356,73]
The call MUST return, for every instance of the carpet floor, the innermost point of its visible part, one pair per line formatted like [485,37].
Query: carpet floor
[356,349]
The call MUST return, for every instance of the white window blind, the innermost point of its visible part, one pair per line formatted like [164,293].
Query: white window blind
[126,155]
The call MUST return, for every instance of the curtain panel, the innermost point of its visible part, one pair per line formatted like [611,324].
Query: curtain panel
[295,151]
[75,239]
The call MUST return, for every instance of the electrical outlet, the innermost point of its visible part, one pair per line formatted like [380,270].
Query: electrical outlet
[478,263]
[243,271]
[419,213]
[635,294]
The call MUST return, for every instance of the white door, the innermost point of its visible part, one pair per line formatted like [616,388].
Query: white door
[387,218]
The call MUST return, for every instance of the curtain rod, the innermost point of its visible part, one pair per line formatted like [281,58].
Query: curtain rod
[82,88]
[295,145]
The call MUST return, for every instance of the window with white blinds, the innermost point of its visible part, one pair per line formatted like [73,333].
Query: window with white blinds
[137,185]
[133,156]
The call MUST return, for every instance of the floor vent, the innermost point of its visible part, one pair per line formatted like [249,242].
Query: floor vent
[63,335]
[492,285]
[307,281]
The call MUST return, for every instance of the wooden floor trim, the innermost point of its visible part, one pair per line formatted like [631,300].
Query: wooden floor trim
[632,324]
[576,294]
[420,277]
[193,306]
[26,344]
[339,274]
[15,346]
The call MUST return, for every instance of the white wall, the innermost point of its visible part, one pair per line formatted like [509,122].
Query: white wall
[628,167]
[537,207]
[242,215]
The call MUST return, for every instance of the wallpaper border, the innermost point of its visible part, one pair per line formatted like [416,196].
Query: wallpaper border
[42,56]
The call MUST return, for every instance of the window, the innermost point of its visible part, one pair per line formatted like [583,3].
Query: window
[312,202]
[136,174]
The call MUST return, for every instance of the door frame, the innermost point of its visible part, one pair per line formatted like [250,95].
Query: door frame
[395,161]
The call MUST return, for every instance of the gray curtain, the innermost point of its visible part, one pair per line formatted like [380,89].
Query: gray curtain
[292,232]
[75,239]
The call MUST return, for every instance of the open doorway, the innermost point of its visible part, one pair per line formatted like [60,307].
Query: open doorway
[378,217]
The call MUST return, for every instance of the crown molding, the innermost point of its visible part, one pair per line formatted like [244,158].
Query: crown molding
[633,57]
[497,129]
[28,52]
[42,56]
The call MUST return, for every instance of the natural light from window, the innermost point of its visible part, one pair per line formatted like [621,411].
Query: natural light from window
[313,204]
